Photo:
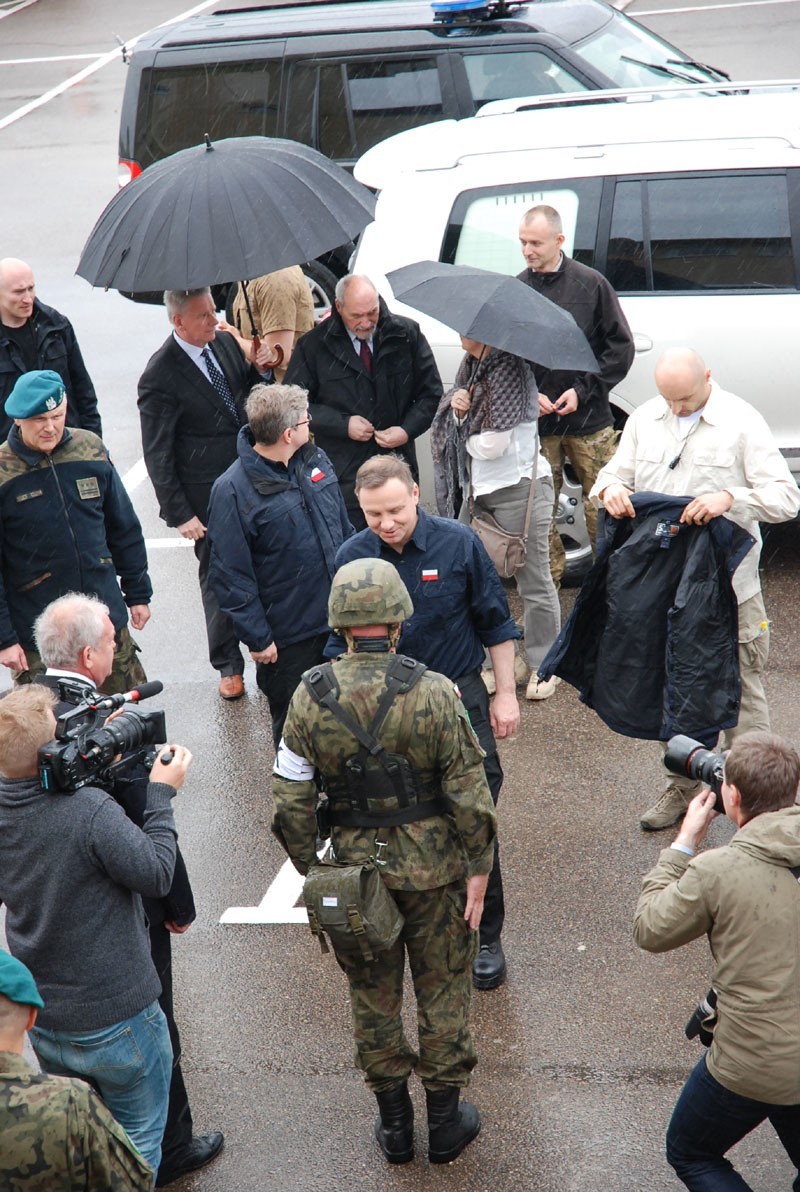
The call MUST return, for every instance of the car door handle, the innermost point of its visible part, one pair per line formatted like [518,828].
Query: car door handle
[642,343]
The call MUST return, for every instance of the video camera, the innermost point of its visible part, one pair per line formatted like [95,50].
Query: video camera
[85,747]
[690,759]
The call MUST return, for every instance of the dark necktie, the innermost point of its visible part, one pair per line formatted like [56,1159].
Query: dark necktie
[217,379]
[365,352]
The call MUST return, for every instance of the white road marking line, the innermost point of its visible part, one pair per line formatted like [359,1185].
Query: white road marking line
[135,476]
[93,67]
[52,58]
[17,8]
[658,12]
[277,905]
[165,543]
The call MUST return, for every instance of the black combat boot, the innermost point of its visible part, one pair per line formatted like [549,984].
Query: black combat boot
[450,1126]
[394,1129]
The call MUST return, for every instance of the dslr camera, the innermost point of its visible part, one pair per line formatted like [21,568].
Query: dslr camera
[690,759]
[85,746]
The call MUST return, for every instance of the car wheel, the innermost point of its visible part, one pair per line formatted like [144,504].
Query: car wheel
[571,525]
[322,283]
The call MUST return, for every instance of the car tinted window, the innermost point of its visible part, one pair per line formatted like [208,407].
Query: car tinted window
[363,102]
[712,232]
[223,99]
[484,224]
[497,75]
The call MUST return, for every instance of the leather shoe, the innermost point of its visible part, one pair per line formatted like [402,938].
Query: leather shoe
[201,1150]
[231,686]
[489,966]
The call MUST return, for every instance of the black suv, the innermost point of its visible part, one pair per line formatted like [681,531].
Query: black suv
[343,76]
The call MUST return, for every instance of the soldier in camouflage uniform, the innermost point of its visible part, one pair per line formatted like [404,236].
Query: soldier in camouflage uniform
[55,1132]
[66,525]
[436,868]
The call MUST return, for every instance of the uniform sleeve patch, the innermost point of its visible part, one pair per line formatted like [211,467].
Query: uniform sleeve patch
[317,474]
[291,765]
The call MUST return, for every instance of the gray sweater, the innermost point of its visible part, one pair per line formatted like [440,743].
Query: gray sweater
[72,869]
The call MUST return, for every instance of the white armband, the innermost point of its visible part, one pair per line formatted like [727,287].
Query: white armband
[291,765]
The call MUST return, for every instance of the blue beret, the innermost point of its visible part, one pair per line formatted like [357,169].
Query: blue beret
[16,982]
[35,393]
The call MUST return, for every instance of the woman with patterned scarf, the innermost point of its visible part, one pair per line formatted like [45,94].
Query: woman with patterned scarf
[485,449]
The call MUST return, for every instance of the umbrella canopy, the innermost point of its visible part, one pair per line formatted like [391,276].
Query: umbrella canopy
[495,309]
[218,213]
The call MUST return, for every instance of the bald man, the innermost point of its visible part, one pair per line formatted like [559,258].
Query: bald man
[34,336]
[697,440]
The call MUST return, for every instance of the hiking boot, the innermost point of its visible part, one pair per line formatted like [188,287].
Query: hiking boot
[450,1126]
[394,1129]
[487,674]
[667,810]
[521,672]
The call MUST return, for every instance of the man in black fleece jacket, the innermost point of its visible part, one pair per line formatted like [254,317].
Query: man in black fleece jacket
[575,419]
[73,869]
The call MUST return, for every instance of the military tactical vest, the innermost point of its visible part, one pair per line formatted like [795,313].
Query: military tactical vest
[375,788]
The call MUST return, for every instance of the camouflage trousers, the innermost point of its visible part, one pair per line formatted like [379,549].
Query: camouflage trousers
[127,671]
[587,454]
[440,948]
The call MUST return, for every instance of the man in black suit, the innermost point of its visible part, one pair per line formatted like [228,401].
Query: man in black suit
[191,406]
[75,638]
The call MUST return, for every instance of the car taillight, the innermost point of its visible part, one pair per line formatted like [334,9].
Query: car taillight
[128,170]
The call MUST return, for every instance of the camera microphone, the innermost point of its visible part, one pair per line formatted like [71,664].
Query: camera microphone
[143,691]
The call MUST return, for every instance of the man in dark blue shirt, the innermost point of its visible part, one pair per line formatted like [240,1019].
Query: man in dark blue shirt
[460,609]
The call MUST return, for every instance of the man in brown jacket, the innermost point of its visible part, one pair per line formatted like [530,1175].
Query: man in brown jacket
[746,898]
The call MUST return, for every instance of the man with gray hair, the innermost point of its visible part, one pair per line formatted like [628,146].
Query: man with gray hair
[276,520]
[75,638]
[191,406]
[372,383]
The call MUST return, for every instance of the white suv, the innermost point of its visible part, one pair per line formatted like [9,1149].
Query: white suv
[688,203]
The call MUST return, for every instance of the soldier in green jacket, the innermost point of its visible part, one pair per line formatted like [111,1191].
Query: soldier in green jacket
[55,1132]
[430,827]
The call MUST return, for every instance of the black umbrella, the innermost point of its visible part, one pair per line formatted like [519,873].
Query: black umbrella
[219,213]
[495,309]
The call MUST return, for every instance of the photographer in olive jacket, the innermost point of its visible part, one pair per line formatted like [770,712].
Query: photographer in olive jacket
[746,898]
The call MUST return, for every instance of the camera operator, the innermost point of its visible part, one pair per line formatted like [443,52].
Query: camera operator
[75,639]
[745,897]
[72,869]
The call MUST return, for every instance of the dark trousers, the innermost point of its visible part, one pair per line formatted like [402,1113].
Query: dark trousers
[224,652]
[178,1130]
[278,680]
[709,1119]
[475,699]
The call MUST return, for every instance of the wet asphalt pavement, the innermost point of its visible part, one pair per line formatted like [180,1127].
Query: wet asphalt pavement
[582,1053]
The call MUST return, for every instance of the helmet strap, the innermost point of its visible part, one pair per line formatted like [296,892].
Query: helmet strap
[382,644]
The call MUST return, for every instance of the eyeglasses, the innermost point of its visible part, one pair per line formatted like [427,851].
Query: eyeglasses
[305,422]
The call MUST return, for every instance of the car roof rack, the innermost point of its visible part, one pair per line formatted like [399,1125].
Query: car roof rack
[565,99]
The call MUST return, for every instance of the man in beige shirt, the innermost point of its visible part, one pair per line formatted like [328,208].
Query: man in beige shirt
[282,310]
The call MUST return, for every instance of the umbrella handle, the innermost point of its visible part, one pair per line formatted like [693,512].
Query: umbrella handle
[478,363]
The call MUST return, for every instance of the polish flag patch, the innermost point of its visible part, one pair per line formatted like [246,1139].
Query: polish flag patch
[317,474]
[427,576]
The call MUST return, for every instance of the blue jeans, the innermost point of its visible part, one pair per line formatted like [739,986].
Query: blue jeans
[709,1119]
[130,1065]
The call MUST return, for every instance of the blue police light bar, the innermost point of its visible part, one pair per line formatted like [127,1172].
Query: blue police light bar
[460,11]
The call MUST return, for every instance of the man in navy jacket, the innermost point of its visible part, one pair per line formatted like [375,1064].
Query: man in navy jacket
[276,520]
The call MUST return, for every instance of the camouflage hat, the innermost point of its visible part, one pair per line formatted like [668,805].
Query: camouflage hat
[17,983]
[368,592]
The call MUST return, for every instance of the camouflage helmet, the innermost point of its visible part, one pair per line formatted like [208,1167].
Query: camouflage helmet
[368,592]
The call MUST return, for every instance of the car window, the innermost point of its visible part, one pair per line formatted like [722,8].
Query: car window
[223,99]
[361,102]
[712,232]
[632,56]
[484,224]
[510,75]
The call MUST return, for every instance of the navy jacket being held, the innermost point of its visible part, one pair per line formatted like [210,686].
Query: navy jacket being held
[274,535]
[652,642]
